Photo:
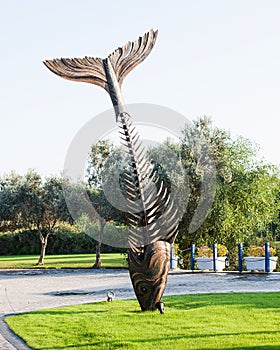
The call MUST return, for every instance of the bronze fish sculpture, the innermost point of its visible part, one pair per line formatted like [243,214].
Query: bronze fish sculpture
[150,209]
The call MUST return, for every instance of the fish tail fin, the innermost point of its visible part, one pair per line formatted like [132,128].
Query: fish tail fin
[126,58]
[92,70]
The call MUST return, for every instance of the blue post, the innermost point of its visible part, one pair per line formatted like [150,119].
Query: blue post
[192,256]
[267,257]
[240,256]
[214,257]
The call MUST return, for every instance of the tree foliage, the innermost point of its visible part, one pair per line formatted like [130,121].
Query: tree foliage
[101,160]
[227,194]
[28,202]
[245,202]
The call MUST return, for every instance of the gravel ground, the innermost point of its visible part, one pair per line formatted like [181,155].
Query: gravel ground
[28,290]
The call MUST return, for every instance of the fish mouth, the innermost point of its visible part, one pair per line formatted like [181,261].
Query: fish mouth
[149,274]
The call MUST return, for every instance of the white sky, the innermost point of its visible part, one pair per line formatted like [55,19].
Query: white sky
[218,58]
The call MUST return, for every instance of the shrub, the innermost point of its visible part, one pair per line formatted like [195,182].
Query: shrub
[62,241]
[207,252]
[260,251]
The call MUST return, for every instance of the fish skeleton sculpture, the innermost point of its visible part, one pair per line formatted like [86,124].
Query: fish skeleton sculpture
[150,208]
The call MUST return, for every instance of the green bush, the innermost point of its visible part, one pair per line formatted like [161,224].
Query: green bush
[60,242]
[19,243]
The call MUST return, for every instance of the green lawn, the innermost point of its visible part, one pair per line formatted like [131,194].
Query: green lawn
[112,260]
[247,321]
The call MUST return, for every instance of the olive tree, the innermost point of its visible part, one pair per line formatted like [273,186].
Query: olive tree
[245,197]
[103,152]
[29,202]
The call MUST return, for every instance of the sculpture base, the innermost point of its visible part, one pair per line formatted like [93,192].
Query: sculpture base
[148,272]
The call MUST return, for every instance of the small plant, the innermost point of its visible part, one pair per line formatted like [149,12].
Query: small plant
[204,252]
[222,250]
[207,252]
[259,251]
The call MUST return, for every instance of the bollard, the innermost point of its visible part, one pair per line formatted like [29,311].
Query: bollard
[240,256]
[214,257]
[267,257]
[192,256]
[173,258]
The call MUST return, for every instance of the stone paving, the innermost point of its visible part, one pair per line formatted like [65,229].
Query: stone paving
[27,290]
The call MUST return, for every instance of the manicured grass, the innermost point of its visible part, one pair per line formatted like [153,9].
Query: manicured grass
[112,260]
[210,321]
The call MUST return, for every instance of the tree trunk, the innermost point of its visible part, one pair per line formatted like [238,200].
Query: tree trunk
[98,263]
[44,242]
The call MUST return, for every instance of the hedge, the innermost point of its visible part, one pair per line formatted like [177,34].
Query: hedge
[61,242]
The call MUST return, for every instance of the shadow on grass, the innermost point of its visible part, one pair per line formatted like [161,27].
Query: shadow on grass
[262,347]
[127,343]
[122,345]
[184,303]
[252,300]
[61,313]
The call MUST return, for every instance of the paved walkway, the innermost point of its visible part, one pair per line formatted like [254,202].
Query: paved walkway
[28,290]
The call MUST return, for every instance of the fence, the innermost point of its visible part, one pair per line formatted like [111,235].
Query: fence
[266,263]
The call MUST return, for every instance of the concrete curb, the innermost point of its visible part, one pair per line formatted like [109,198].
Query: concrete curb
[10,341]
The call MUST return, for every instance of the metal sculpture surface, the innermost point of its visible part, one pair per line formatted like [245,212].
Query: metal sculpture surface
[150,208]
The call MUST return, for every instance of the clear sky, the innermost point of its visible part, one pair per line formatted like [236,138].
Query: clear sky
[217,58]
